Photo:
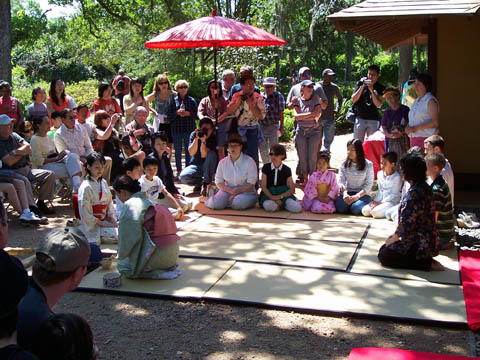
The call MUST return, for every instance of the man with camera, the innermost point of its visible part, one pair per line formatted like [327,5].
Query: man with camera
[203,151]
[367,99]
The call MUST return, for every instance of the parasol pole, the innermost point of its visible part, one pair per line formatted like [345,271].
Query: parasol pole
[215,78]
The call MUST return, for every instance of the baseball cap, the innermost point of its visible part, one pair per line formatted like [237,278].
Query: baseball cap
[269,81]
[13,283]
[67,247]
[4,83]
[307,83]
[5,119]
[328,71]
[303,69]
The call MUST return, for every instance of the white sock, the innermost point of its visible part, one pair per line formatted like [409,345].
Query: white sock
[76,181]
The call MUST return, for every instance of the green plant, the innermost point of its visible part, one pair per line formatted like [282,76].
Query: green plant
[83,92]
[288,125]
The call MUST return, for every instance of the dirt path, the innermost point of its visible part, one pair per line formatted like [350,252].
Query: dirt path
[140,328]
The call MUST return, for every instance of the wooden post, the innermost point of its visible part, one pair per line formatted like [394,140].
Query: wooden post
[432,53]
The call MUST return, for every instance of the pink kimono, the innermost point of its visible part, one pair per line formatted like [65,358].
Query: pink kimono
[319,183]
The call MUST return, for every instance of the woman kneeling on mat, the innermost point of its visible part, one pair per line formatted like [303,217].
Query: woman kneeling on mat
[415,242]
[147,235]
[235,177]
[278,188]
[355,180]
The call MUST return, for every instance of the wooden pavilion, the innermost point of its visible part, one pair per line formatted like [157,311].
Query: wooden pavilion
[451,30]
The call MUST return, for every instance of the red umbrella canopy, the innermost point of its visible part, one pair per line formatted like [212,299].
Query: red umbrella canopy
[213,31]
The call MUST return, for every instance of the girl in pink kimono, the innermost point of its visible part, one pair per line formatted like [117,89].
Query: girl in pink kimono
[322,188]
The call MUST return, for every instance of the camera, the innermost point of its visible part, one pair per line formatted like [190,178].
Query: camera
[366,82]
[245,97]
[202,133]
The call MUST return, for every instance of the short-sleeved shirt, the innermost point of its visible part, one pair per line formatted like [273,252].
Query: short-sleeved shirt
[37,110]
[9,107]
[32,312]
[331,91]
[304,106]
[211,145]
[317,90]
[397,117]
[152,188]
[365,108]
[110,106]
[275,104]
[283,172]
[13,142]
[443,205]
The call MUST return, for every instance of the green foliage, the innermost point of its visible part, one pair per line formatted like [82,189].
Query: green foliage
[83,92]
[288,125]
[24,92]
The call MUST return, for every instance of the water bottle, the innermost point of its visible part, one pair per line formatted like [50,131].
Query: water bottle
[182,105]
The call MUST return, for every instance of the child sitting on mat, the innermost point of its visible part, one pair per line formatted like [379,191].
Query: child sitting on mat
[443,201]
[389,186]
[322,188]
[277,185]
[153,187]
[95,203]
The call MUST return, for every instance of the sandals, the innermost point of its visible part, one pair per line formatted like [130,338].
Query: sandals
[468,220]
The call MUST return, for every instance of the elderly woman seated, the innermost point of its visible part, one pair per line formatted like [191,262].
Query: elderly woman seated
[147,235]
[235,177]
[415,242]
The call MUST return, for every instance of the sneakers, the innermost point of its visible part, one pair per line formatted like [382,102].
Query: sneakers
[29,217]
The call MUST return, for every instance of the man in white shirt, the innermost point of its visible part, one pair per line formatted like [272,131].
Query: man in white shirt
[74,138]
[235,177]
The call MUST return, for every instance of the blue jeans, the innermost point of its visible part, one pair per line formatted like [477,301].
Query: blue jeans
[308,144]
[177,145]
[328,133]
[240,202]
[202,173]
[364,127]
[251,137]
[355,208]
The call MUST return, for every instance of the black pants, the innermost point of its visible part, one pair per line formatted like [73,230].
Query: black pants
[391,258]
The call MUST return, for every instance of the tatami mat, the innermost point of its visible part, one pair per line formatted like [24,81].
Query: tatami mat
[367,262]
[292,229]
[340,292]
[254,212]
[300,252]
[198,275]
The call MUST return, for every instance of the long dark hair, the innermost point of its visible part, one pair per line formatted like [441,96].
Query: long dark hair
[94,156]
[134,81]
[209,91]
[53,94]
[125,182]
[361,163]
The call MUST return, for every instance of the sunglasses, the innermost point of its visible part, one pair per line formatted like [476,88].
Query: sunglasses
[182,87]
[163,83]
[306,75]
[274,154]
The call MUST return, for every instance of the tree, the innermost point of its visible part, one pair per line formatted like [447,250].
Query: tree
[5,41]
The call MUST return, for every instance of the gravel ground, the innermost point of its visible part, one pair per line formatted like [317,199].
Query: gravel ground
[128,327]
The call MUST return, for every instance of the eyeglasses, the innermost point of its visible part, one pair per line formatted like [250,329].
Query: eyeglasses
[273,154]
[182,87]
[306,75]
[163,83]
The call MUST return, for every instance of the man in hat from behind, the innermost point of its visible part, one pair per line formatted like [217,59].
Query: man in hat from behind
[328,115]
[61,262]
[13,286]
[273,121]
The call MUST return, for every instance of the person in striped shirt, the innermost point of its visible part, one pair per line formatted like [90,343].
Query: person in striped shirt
[443,201]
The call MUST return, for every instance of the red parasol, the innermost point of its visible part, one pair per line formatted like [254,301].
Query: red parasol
[213,31]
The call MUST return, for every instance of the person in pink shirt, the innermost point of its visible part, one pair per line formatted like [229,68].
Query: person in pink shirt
[322,189]
[9,105]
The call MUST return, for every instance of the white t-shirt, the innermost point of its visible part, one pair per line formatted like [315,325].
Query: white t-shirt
[151,188]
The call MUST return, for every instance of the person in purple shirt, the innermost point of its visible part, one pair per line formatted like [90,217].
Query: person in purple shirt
[38,108]
[394,122]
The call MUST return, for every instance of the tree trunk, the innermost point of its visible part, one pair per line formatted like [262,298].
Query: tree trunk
[406,63]
[350,53]
[5,41]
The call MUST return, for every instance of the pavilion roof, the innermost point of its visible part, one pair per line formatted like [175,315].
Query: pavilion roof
[391,23]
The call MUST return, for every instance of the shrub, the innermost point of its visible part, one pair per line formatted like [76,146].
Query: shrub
[288,125]
[83,92]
